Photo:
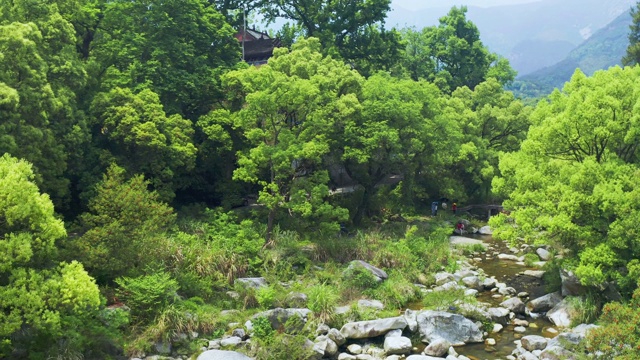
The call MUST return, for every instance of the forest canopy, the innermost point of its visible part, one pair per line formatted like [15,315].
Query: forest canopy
[143,161]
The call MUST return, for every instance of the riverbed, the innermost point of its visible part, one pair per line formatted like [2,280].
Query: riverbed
[508,272]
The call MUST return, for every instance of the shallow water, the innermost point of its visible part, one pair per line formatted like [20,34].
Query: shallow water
[508,272]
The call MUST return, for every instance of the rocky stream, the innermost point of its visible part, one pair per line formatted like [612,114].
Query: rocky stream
[526,322]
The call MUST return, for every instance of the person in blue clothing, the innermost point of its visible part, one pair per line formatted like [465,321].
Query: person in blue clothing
[434,208]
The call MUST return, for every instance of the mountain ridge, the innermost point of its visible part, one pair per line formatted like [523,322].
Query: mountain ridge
[555,27]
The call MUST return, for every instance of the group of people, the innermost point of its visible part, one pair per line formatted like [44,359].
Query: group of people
[443,204]
[454,208]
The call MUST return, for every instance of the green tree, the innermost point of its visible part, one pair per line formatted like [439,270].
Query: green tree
[134,131]
[493,122]
[574,182]
[452,55]
[124,232]
[291,106]
[352,30]
[398,133]
[177,48]
[632,56]
[40,73]
[37,292]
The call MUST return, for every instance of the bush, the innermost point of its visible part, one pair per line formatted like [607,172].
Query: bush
[586,309]
[147,295]
[530,259]
[359,277]
[322,300]
[618,337]
[396,291]
[266,296]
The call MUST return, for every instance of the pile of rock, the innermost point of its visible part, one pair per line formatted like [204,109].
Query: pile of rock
[535,347]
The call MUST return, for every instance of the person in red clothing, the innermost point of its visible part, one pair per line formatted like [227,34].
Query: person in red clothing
[460,227]
[454,207]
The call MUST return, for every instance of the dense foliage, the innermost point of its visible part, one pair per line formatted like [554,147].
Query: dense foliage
[177,168]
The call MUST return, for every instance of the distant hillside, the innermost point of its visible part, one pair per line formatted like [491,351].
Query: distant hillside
[601,51]
[531,35]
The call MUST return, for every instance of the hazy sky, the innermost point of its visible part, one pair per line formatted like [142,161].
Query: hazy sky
[422,4]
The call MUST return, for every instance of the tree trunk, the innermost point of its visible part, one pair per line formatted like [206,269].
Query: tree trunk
[363,207]
[270,220]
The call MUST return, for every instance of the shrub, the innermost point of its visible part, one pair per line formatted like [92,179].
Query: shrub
[147,295]
[530,259]
[322,301]
[618,337]
[262,329]
[443,300]
[266,296]
[359,277]
[396,291]
[586,309]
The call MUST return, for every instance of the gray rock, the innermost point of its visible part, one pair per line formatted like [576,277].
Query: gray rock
[534,342]
[463,273]
[520,329]
[472,282]
[239,333]
[232,341]
[442,278]
[354,349]
[471,292]
[499,315]
[543,254]
[583,329]
[279,316]
[544,303]
[562,314]
[489,283]
[323,329]
[526,355]
[326,345]
[571,285]
[410,317]
[575,336]
[372,328]
[394,357]
[454,328]
[508,257]
[345,356]
[378,273]
[423,357]
[370,304]
[222,355]
[341,310]
[336,336]
[451,285]
[253,283]
[296,300]
[507,290]
[464,241]
[557,353]
[364,357]
[515,305]
[393,333]
[485,230]
[535,273]
[437,348]
[397,345]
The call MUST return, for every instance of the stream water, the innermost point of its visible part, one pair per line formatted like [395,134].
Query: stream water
[507,272]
